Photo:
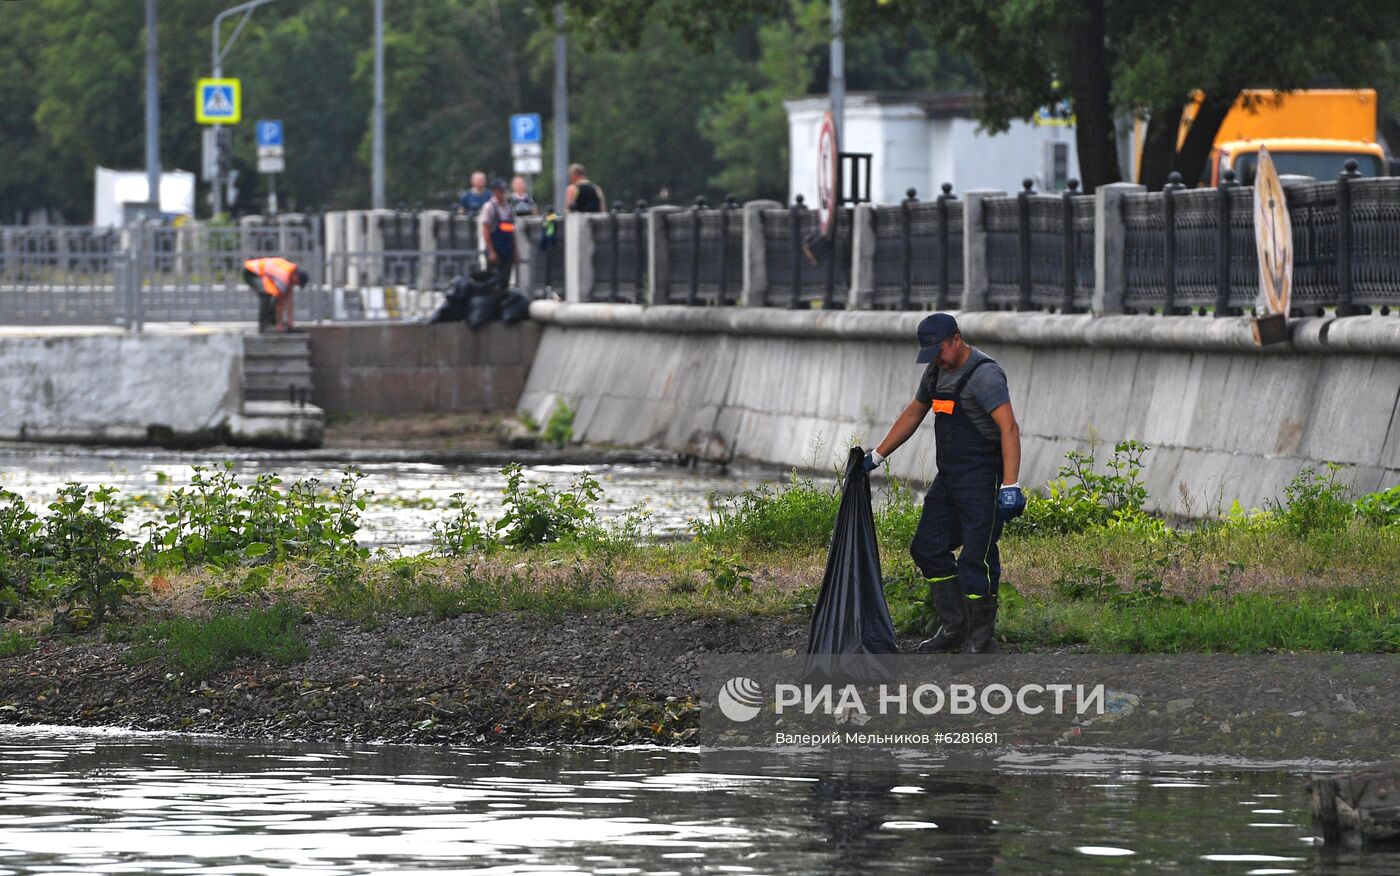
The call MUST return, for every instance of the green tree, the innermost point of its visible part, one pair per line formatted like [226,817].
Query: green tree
[1287,44]
[24,175]
[636,114]
[1118,57]
[747,126]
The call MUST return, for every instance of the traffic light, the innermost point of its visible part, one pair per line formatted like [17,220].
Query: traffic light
[223,150]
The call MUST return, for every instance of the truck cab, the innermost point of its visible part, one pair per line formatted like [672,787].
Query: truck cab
[1318,158]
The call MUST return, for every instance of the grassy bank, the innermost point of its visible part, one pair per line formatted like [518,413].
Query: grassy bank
[230,567]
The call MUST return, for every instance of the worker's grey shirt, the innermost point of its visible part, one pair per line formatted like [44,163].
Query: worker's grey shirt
[985,392]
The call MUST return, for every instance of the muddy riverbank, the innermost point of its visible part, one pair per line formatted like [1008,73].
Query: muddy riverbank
[616,677]
[502,677]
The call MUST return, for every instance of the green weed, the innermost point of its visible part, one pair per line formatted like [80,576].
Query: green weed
[539,514]
[1083,498]
[728,575]
[219,522]
[559,428]
[1315,502]
[13,643]
[202,647]
[797,514]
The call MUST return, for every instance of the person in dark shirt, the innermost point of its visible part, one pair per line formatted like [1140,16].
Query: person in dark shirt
[975,491]
[583,195]
[474,198]
[520,199]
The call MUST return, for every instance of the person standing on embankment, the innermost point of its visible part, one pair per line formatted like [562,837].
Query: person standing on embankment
[498,233]
[583,195]
[975,492]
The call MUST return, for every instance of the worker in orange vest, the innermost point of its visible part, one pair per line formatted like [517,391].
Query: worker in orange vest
[274,280]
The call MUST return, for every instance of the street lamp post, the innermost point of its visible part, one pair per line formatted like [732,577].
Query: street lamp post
[152,110]
[216,63]
[376,180]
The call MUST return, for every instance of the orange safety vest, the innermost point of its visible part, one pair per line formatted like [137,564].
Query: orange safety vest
[277,274]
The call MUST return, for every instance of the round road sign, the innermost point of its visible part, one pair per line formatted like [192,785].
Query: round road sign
[827,157]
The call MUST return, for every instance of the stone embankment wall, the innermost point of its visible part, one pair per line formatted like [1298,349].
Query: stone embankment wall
[397,368]
[111,385]
[1225,420]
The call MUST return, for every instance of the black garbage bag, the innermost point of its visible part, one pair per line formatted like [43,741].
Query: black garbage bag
[851,627]
[483,308]
[460,291]
[515,307]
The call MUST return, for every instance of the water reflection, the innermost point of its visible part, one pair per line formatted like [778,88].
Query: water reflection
[409,498]
[123,803]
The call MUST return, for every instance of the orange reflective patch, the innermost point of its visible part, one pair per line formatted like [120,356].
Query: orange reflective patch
[507,226]
[942,406]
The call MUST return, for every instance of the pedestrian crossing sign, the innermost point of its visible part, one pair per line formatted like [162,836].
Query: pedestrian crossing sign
[218,102]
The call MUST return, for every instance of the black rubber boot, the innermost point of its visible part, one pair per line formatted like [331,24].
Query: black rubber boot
[981,625]
[951,630]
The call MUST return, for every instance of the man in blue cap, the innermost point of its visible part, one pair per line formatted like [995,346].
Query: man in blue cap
[975,491]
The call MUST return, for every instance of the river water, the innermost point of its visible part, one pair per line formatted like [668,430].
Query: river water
[409,497]
[111,802]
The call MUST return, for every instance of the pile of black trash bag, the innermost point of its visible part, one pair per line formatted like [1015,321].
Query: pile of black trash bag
[482,298]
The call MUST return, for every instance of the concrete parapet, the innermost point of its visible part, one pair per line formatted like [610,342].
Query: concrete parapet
[976,282]
[578,255]
[1110,247]
[755,289]
[428,221]
[658,254]
[862,257]
[1225,421]
[1349,335]
[333,227]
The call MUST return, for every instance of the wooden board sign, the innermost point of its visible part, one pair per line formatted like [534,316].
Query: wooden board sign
[1273,235]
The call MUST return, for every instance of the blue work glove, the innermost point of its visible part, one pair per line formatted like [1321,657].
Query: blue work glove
[1011,502]
[872,461]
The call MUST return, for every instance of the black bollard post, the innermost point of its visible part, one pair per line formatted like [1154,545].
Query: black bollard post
[944,285]
[693,296]
[1223,244]
[1345,276]
[1070,250]
[795,227]
[1023,241]
[906,234]
[639,235]
[1169,229]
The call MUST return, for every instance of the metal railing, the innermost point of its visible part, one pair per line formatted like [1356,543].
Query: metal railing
[799,276]
[1183,251]
[1194,250]
[141,274]
[704,255]
[1040,250]
[918,257]
[619,255]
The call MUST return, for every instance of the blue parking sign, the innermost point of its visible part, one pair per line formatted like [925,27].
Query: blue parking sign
[269,132]
[525,128]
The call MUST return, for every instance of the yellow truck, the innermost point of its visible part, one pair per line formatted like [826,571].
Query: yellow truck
[1310,133]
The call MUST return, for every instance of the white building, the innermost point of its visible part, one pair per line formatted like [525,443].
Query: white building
[921,141]
[114,190]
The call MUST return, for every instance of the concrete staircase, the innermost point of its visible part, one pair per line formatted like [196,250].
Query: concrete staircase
[277,367]
[277,384]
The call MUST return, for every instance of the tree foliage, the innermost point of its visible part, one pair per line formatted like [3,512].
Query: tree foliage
[1115,59]
[668,100]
